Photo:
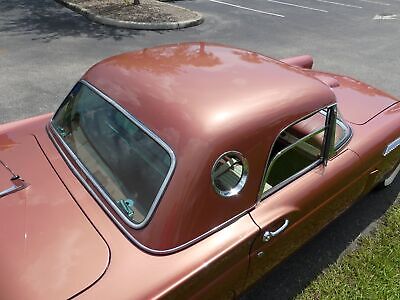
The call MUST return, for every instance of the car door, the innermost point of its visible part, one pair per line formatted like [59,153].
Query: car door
[305,186]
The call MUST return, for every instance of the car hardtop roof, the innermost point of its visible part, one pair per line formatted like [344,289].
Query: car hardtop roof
[207,89]
[203,100]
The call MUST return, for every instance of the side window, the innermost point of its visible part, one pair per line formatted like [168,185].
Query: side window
[298,148]
[342,131]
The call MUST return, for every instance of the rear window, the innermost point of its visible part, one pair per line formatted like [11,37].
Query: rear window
[130,166]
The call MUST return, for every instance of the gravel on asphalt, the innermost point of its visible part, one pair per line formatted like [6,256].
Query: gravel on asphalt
[148,11]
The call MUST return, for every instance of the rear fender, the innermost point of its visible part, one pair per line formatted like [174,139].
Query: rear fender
[303,61]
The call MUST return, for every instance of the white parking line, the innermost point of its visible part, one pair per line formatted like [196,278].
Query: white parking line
[248,8]
[385,17]
[295,5]
[338,3]
[374,2]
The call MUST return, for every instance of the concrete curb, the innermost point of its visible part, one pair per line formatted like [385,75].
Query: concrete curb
[131,24]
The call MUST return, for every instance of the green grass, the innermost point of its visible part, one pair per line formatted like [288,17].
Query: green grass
[372,271]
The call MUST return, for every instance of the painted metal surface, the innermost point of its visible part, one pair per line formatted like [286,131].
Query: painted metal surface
[303,61]
[249,100]
[370,140]
[308,204]
[215,266]
[357,101]
[17,183]
[105,196]
[49,250]
[164,88]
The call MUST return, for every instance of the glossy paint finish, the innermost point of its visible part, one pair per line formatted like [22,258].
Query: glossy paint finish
[164,88]
[385,128]
[375,122]
[135,274]
[49,249]
[303,61]
[328,191]
[308,203]
[203,100]
[357,101]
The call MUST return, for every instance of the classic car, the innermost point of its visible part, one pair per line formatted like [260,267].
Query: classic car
[185,171]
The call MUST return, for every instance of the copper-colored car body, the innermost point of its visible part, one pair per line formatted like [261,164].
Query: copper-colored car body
[61,238]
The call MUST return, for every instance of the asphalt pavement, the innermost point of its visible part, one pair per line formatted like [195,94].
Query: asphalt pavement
[45,48]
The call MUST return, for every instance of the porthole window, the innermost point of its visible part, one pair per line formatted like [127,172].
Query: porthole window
[229,174]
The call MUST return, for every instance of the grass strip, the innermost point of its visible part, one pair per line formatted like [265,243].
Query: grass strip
[371,271]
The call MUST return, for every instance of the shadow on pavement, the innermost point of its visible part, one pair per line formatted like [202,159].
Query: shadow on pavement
[49,20]
[293,275]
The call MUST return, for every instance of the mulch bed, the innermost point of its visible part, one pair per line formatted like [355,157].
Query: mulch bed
[148,11]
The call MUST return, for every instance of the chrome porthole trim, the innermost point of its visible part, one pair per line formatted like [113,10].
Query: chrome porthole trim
[120,225]
[243,178]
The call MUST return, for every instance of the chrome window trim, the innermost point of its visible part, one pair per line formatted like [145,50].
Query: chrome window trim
[348,133]
[94,181]
[391,146]
[125,231]
[243,179]
[262,196]
[329,134]
[291,179]
[290,147]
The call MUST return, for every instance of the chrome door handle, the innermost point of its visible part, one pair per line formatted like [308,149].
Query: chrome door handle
[270,234]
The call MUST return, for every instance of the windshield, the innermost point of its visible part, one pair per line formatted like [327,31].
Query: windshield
[125,161]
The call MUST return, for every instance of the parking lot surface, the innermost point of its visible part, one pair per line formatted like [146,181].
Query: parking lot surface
[45,48]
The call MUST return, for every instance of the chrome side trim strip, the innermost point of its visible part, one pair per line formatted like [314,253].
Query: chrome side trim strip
[390,179]
[98,186]
[391,147]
